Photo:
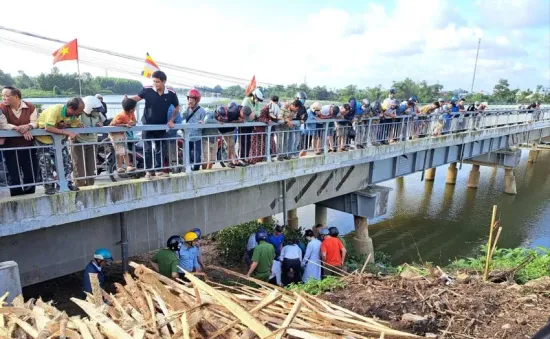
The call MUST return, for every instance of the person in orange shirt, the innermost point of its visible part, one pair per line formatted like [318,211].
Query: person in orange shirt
[333,251]
[125,118]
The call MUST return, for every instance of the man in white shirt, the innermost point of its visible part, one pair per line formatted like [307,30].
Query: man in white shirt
[250,245]
[291,258]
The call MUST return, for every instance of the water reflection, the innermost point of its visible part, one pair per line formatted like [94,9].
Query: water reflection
[439,222]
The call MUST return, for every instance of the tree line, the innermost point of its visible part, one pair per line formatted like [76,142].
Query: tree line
[56,83]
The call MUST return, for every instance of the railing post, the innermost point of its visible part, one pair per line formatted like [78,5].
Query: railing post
[325,137]
[369,125]
[268,144]
[59,168]
[187,154]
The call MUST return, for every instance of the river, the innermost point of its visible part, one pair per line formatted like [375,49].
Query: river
[439,222]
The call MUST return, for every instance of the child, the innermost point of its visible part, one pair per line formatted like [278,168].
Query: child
[125,118]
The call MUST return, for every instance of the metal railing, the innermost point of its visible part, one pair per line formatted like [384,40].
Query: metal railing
[64,163]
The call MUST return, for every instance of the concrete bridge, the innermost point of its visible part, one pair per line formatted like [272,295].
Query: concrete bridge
[50,236]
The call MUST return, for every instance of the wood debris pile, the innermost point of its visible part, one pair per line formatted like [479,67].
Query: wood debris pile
[152,306]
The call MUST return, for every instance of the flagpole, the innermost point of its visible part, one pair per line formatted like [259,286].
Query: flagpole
[79,79]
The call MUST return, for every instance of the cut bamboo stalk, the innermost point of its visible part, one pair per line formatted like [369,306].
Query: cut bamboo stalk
[290,317]
[25,327]
[495,242]
[107,324]
[233,307]
[365,264]
[82,328]
[491,227]
[96,289]
[327,268]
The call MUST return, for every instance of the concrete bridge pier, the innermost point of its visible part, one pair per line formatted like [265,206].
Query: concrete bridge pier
[473,180]
[509,181]
[265,220]
[429,174]
[362,242]
[452,173]
[533,155]
[292,216]
[320,215]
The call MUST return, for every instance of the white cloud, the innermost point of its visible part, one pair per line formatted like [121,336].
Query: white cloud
[520,14]
[427,39]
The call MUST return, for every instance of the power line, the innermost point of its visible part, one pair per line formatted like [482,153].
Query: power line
[221,77]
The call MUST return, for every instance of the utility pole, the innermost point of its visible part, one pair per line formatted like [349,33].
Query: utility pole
[475,67]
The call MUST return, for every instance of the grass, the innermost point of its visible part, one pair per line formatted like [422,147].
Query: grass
[316,287]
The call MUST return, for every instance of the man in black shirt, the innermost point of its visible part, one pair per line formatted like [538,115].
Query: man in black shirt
[158,99]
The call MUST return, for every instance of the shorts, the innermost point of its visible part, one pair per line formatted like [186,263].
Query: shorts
[209,148]
[119,141]
[229,139]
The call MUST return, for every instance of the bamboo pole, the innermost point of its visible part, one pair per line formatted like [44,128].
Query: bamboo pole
[486,273]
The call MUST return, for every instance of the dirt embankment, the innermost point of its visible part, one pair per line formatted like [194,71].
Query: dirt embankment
[458,310]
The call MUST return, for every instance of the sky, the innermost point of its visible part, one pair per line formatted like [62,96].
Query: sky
[331,43]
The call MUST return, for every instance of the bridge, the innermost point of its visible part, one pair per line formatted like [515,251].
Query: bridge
[53,235]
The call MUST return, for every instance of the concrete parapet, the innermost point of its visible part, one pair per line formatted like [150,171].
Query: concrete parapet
[9,279]
[473,180]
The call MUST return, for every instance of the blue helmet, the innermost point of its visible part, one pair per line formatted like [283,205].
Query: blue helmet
[261,234]
[197,232]
[393,90]
[413,98]
[103,254]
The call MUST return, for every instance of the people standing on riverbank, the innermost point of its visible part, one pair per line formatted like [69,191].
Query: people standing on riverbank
[102,258]
[333,251]
[277,239]
[165,261]
[84,149]
[250,245]
[262,258]
[198,246]
[194,115]
[57,119]
[189,254]
[291,259]
[158,99]
[312,258]
[20,116]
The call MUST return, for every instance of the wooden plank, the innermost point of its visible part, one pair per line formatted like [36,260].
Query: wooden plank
[245,317]
[107,324]
[82,328]
[25,327]
[290,317]
[185,326]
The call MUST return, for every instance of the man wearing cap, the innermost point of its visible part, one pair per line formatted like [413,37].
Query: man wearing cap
[102,258]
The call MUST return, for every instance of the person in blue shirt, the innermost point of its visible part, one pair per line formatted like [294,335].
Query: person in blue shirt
[189,255]
[276,239]
[102,258]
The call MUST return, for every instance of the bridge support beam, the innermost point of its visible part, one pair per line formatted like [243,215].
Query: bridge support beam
[293,218]
[509,181]
[452,172]
[473,180]
[362,241]
[429,174]
[320,215]
[533,155]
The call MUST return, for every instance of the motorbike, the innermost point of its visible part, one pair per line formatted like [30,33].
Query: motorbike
[106,159]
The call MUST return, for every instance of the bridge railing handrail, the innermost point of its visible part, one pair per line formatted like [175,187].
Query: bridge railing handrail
[370,131]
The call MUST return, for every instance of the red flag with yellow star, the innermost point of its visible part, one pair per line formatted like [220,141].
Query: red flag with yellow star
[69,51]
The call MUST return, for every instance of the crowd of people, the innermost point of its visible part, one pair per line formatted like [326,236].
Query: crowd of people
[296,129]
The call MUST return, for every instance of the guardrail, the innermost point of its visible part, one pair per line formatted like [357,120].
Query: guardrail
[188,147]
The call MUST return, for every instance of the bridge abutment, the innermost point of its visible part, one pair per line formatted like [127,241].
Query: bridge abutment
[473,180]
[362,242]
[452,173]
[429,174]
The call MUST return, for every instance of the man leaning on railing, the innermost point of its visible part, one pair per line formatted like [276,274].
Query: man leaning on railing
[20,116]
[56,119]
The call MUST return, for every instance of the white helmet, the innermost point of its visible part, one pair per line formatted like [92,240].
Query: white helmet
[92,103]
[258,93]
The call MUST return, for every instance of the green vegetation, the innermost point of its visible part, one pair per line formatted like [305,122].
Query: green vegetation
[315,287]
[58,84]
[508,259]
[232,240]
[425,92]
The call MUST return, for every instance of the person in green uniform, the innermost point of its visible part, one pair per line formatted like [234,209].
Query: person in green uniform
[165,261]
[262,258]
